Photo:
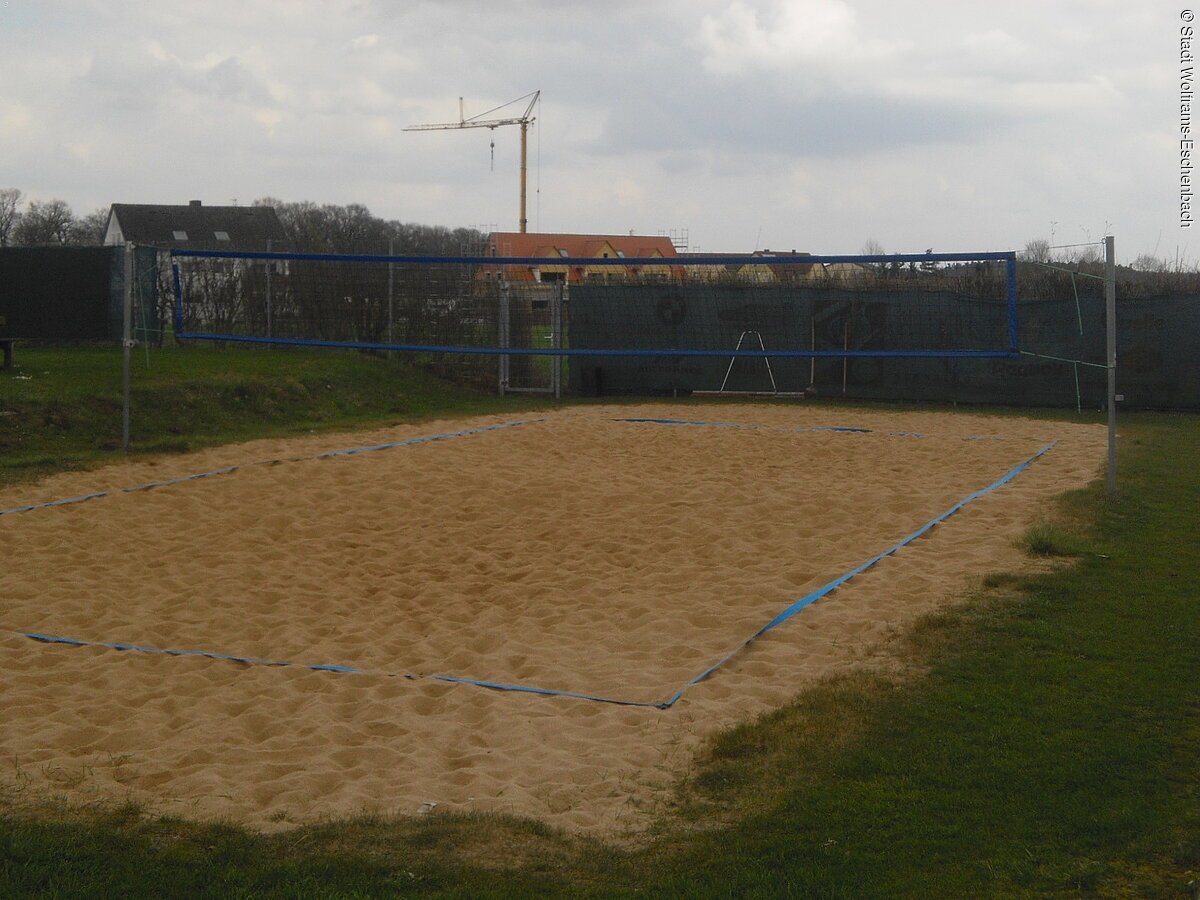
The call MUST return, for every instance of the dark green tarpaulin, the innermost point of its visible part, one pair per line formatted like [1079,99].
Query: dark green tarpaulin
[1158,340]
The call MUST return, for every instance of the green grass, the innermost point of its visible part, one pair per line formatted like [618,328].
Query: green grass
[61,408]
[1046,742]
[1050,539]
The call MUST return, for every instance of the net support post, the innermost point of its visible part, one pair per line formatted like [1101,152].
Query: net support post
[503,329]
[270,310]
[1110,316]
[556,338]
[126,345]
[391,298]
[1010,271]
[177,282]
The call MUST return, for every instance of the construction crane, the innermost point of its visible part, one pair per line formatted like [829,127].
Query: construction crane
[524,120]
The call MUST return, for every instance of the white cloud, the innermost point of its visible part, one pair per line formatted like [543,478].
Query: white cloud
[822,121]
[996,43]
[745,37]
[15,117]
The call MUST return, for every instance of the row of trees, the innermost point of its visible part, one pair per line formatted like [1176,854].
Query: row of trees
[1087,257]
[311,228]
[329,228]
[47,222]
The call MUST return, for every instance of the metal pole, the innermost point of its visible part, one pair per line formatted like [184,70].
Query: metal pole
[812,344]
[391,294]
[1110,309]
[556,322]
[504,328]
[270,266]
[845,346]
[126,346]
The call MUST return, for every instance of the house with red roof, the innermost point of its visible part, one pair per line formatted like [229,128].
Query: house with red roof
[554,248]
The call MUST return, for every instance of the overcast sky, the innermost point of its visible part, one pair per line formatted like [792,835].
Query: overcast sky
[809,124]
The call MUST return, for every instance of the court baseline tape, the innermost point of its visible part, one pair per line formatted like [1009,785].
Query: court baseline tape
[786,614]
[787,429]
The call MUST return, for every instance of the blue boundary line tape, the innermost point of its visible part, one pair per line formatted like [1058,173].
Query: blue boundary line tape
[329,454]
[785,428]
[329,667]
[779,619]
[789,430]
[816,595]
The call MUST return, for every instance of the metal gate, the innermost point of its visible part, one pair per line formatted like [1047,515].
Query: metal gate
[531,318]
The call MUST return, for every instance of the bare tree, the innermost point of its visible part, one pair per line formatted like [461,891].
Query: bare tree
[353,229]
[1147,262]
[88,231]
[872,247]
[1037,250]
[50,222]
[10,200]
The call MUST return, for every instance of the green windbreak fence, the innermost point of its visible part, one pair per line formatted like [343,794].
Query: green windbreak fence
[60,293]
[72,293]
[1158,347]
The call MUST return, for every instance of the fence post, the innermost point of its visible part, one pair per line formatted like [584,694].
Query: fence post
[503,322]
[126,345]
[556,337]
[1110,309]
[270,266]
[391,337]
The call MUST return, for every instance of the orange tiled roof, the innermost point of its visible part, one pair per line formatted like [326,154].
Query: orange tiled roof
[511,243]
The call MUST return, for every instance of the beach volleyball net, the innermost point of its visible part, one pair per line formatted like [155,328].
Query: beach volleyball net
[680,319]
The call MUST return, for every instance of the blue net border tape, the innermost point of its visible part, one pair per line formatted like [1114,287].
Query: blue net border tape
[182,334]
[785,615]
[697,260]
[226,470]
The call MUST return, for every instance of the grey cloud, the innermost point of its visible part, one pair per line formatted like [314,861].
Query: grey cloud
[768,120]
[139,82]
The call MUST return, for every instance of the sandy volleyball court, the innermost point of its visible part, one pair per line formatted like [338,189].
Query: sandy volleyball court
[577,553]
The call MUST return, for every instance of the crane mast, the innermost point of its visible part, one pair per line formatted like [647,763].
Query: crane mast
[524,121]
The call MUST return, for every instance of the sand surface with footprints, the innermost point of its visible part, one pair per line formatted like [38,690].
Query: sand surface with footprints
[577,553]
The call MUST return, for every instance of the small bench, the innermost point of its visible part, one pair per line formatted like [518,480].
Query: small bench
[7,345]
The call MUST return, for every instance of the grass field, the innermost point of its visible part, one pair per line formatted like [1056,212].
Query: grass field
[61,408]
[1045,743]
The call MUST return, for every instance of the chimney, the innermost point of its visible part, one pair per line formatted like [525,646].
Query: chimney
[193,203]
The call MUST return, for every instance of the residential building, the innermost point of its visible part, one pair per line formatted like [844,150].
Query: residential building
[196,227]
[554,248]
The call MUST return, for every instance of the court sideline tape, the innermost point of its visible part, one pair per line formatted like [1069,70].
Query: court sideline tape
[779,619]
[226,470]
